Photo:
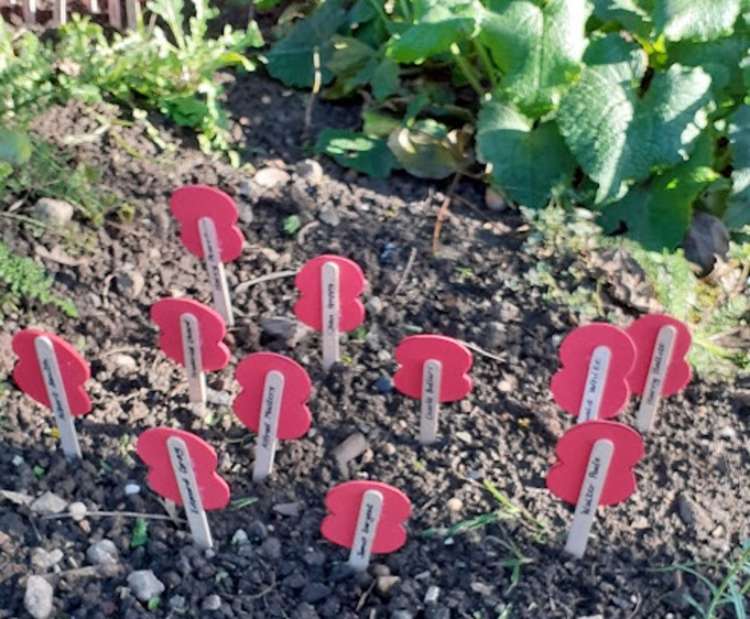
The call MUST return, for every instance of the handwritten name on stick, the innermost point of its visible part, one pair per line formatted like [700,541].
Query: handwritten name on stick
[258,400]
[353,520]
[433,369]
[661,369]
[589,385]
[329,299]
[589,476]
[182,469]
[208,229]
[52,372]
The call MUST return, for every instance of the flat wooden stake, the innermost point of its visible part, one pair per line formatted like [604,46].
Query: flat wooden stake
[114,11]
[59,12]
[216,276]
[588,499]
[367,526]
[331,314]
[265,444]
[45,354]
[29,12]
[657,372]
[191,350]
[430,405]
[596,379]
[131,13]
[182,466]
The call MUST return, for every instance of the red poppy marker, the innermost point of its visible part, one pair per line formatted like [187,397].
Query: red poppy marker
[182,469]
[191,334]
[52,372]
[592,382]
[329,290]
[661,344]
[272,403]
[366,517]
[594,467]
[433,369]
[208,229]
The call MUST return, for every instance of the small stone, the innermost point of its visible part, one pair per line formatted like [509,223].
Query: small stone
[728,432]
[145,585]
[374,306]
[432,595]
[211,603]
[49,503]
[481,588]
[309,170]
[177,602]
[77,511]
[693,515]
[385,583]
[132,488]
[257,531]
[509,312]
[269,178]
[494,200]
[389,449]
[350,448]
[402,614]
[17,460]
[271,548]
[493,335]
[287,329]
[592,617]
[218,398]
[53,212]
[38,597]
[329,216]
[103,552]
[240,537]
[124,364]
[315,591]
[464,437]
[380,569]
[384,385]
[288,509]
[455,505]
[129,283]
[508,384]
[44,560]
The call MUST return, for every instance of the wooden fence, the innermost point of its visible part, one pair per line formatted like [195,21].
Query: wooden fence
[120,13]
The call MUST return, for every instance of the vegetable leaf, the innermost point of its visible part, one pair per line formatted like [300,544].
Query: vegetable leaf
[703,20]
[738,209]
[527,162]
[537,47]
[291,59]
[358,151]
[618,137]
[428,149]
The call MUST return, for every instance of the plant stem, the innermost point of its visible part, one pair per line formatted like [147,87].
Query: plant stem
[484,58]
[737,566]
[469,71]
[381,13]
[405,10]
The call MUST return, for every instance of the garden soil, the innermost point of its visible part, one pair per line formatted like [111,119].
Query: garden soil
[468,555]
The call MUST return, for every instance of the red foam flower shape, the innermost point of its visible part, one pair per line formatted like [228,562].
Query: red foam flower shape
[191,203]
[643,332]
[73,369]
[166,314]
[569,381]
[456,360]
[343,503]
[573,450]
[152,449]
[308,307]
[294,417]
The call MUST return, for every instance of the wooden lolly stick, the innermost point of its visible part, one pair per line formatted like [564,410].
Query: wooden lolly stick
[367,526]
[59,12]
[265,444]
[131,13]
[588,499]
[331,314]
[216,276]
[115,13]
[189,491]
[29,12]
[596,379]
[430,405]
[657,372]
[45,354]
[93,6]
[191,350]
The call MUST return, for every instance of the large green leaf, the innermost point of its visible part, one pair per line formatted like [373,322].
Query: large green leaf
[658,213]
[15,147]
[619,137]
[428,149]
[527,162]
[703,20]
[627,13]
[537,47]
[291,59]
[358,151]
[738,208]
[438,25]
[720,59]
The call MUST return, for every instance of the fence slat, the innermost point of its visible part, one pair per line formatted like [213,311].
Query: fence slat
[59,12]
[29,12]
[115,13]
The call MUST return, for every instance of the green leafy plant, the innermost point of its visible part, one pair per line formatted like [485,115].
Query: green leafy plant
[635,109]
[22,279]
[139,534]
